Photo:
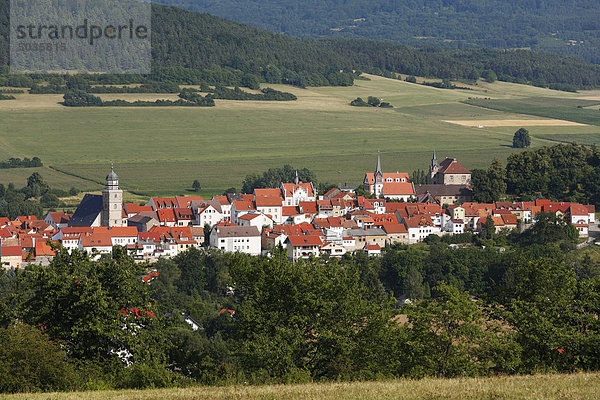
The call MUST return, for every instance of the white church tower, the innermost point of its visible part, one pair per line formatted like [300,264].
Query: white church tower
[378,178]
[112,201]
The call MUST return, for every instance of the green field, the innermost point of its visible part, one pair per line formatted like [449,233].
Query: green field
[162,150]
[576,386]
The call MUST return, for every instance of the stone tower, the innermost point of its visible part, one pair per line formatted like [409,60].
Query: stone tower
[112,201]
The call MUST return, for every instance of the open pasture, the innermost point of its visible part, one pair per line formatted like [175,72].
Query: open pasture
[161,150]
[538,387]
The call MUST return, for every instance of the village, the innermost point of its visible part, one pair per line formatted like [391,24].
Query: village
[293,216]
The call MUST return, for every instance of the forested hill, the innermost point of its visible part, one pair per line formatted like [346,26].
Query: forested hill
[567,27]
[200,41]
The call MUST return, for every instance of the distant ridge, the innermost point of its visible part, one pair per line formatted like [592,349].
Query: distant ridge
[569,28]
[203,42]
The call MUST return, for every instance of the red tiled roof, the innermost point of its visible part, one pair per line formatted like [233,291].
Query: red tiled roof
[10,251]
[398,189]
[390,228]
[60,217]
[308,207]
[166,215]
[132,208]
[164,202]
[223,200]
[268,197]
[5,233]
[370,176]
[186,201]
[451,166]
[289,211]
[97,240]
[578,209]
[510,219]
[418,220]
[305,240]
[123,231]
[149,236]
[183,213]
[43,249]
[243,205]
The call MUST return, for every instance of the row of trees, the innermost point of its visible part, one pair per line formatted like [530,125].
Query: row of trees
[79,98]
[24,163]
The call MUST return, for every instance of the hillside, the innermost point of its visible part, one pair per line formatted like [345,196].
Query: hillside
[563,27]
[201,41]
[196,143]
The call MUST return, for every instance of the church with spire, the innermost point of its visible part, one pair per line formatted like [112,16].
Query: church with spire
[294,193]
[389,185]
[101,210]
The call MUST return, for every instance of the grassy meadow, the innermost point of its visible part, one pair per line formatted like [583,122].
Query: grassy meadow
[576,386]
[162,150]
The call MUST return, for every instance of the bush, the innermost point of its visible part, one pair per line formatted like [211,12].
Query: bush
[359,102]
[79,98]
[521,139]
[31,362]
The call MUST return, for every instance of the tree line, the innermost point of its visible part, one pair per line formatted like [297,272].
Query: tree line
[24,163]
[565,172]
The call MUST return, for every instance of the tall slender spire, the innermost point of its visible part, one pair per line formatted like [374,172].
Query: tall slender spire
[378,175]
[296,179]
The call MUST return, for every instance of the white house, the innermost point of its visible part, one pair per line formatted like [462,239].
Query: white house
[243,239]
[419,227]
[257,219]
[96,243]
[294,193]
[394,186]
[207,213]
[305,246]
[225,207]
[70,236]
[455,226]
[333,249]
[123,236]
[239,208]
[270,202]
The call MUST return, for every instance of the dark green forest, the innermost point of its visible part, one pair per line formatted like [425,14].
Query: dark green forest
[192,47]
[542,25]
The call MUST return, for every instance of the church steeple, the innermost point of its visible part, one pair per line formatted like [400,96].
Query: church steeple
[112,201]
[296,179]
[378,172]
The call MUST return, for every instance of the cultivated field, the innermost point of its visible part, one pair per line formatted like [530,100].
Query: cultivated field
[577,386]
[492,123]
[162,150]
